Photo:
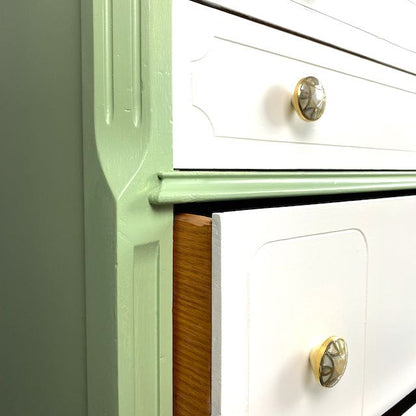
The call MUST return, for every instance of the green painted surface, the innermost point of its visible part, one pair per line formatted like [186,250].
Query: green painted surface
[186,187]
[127,129]
[42,286]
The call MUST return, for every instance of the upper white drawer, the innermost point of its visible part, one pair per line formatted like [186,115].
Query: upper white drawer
[232,86]
[381,29]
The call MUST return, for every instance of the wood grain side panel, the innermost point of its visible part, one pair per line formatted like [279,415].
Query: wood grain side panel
[192,316]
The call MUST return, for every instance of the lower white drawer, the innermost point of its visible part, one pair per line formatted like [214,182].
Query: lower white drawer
[284,280]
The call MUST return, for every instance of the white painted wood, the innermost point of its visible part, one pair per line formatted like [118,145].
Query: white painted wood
[232,86]
[286,278]
[381,29]
[411,411]
[390,20]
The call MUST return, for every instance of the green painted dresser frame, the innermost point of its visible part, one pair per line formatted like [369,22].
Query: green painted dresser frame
[130,189]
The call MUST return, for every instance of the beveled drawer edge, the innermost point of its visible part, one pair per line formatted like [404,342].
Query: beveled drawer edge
[329,31]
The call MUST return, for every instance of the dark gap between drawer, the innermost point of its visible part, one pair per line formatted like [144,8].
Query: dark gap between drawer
[403,405]
[207,208]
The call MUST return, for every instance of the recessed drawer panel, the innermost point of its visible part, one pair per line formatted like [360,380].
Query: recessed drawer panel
[233,87]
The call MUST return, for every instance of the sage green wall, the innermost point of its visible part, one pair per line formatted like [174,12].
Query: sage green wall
[42,296]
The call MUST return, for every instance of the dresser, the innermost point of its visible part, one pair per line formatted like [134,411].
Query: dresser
[258,292]
[213,193]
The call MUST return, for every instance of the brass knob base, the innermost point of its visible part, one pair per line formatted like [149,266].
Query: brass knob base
[329,361]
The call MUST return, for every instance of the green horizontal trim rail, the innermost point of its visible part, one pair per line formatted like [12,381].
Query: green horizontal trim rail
[180,187]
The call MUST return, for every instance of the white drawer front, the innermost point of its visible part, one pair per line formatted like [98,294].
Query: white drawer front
[284,279]
[381,29]
[233,82]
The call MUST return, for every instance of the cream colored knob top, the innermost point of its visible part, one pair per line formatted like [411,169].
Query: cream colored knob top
[329,361]
[309,99]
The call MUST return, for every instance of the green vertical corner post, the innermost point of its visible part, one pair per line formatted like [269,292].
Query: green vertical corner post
[126,58]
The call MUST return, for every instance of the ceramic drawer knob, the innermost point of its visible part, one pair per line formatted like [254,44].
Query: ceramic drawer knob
[309,99]
[329,361]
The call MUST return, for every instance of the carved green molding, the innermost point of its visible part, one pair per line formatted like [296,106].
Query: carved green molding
[126,59]
[186,187]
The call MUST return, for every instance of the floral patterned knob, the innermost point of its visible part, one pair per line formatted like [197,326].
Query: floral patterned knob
[329,361]
[309,99]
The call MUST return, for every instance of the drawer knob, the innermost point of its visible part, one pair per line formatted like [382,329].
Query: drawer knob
[329,361]
[309,99]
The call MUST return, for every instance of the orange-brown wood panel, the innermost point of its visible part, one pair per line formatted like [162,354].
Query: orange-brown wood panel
[192,315]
